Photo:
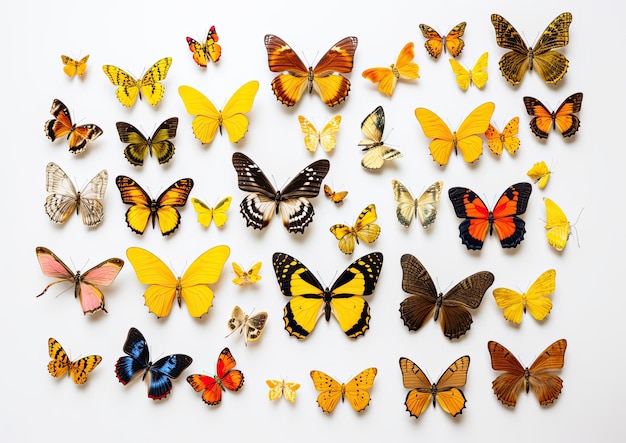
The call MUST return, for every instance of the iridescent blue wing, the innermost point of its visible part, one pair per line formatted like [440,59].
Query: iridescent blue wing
[169,367]
[137,358]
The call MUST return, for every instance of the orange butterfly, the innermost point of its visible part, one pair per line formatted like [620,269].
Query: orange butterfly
[404,68]
[503,217]
[334,196]
[295,77]
[539,377]
[226,378]
[209,50]
[452,42]
[562,119]
[61,125]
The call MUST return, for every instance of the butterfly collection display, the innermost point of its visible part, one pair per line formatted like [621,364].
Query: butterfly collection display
[73,67]
[562,119]
[246,278]
[327,137]
[476,76]
[139,146]
[149,85]
[558,227]
[424,207]
[356,391]
[507,139]
[376,153]
[217,214]
[61,125]
[364,229]
[536,300]
[226,377]
[250,326]
[404,68]
[61,363]
[344,299]
[451,42]
[137,362]
[210,50]
[540,173]
[279,388]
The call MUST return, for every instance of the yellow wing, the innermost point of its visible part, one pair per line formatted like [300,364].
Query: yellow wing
[477,75]
[74,67]
[207,214]
[506,139]
[327,137]
[209,119]
[357,389]
[404,68]
[280,387]
[364,229]
[557,225]
[331,391]
[149,85]
[540,174]
[246,278]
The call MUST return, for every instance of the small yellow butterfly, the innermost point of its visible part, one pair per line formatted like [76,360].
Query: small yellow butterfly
[356,390]
[246,278]
[557,225]
[404,68]
[425,207]
[149,86]
[280,387]
[74,67]
[327,137]
[364,229]
[506,139]
[61,364]
[206,214]
[540,174]
[251,326]
[536,300]
[335,196]
[477,75]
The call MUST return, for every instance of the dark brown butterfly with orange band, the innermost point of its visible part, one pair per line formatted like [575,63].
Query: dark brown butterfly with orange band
[61,125]
[503,218]
[562,119]
[325,78]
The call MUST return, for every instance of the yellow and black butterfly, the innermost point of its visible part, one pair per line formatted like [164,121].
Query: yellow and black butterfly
[61,363]
[143,207]
[551,65]
[148,85]
[140,145]
[73,67]
[364,229]
[344,299]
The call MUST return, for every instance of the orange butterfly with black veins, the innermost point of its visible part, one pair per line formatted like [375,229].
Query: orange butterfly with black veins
[452,42]
[562,119]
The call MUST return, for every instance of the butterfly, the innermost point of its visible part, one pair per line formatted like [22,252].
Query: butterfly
[479,220]
[334,196]
[364,229]
[327,137]
[506,139]
[466,139]
[61,125]
[164,287]
[356,390]
[562,119]
[539,377]
[140,146]
[246,278]
[447,391]
[536,299]
[280,387]
[86,284]
[226,378]
[296,78]
[137,361]
[61,363]
[218,213]
[208,119]
[551,65]
[344,298]
[64,199]
[424,207]
[404,68]
[251,326]
[74,67]
[452,306]
[558,226]
[451,42]
[149,85]
[263,201]
[477,75]
[143,208]
[377,153]
[209,50]
[540,174]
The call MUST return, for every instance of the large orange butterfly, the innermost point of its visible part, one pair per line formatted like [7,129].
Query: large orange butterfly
[226,377]
[325,78]
[61,125]
[503,217]
[539,377]
[451,42]
[562,119]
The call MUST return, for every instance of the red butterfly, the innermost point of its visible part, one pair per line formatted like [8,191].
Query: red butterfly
[479,219]
[226,378]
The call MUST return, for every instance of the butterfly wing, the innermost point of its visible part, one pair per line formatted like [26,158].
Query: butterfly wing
[150,84]
[546,385]
[128,87]
[311,135]
[479,71]
[537,297]
[372,127]
[53,266]
[407,204]
[230,378]
[175,196]
[557,225]
[211,390]
[60,363]
[449,394]
[540,174]
[509,227]
[163,371]
[233,118]
[254,326]
[453,42]
[207,118]
[357,389]
[333,87]
[103,274]
[468,205]
[427,203]
[434,127]
[137,358]
[468,138]
[416,309]
[552,65]
[331,391]
[420,394]
[511,302]
[507,385]
[514,63]
[463,75]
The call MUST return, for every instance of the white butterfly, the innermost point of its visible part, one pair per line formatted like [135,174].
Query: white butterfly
[251,326]
[425,207]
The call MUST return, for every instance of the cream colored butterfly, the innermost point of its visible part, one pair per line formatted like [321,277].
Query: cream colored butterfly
[477,75]
[376,152]
[278,388]
[206,214]
[251,326]
[327,137]
[424,207]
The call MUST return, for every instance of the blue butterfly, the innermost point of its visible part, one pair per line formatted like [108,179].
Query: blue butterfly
[138,360]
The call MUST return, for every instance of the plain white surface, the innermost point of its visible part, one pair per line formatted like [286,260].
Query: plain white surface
[588,304]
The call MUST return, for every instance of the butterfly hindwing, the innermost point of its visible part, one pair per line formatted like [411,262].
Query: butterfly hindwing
[557,225]
[139,146]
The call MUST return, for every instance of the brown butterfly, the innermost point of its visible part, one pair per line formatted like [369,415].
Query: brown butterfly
[546,385]
[452,306]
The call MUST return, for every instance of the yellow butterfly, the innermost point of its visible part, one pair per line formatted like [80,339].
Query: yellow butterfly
[246,278]
[356,390]
[540,174]
[478,75]
[74,67]
[278,388]
[327,137]
[506,139]
[377,153]
[206,214]
[425,207]
[148,85]
[551,65]
[404,68]
[61,364]
[251,326]
[208,119]
[193,286]
[557,225]
[334,196]
[536,299]
[364,229]
[466,139]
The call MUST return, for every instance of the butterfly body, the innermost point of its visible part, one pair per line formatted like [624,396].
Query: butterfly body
[226,378]
[364,229]
[61,363]
[436,44]
[74,67]
[209,50]
[139,146]
[356,390]
[376,152]
[424,207]
[562,119]
[129,88]
[61,124]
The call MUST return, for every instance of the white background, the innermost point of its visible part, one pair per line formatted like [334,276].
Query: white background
[588,302]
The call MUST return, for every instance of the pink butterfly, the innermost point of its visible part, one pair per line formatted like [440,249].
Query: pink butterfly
[91,298]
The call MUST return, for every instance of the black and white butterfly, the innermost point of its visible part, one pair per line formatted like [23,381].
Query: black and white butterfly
[263,201]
